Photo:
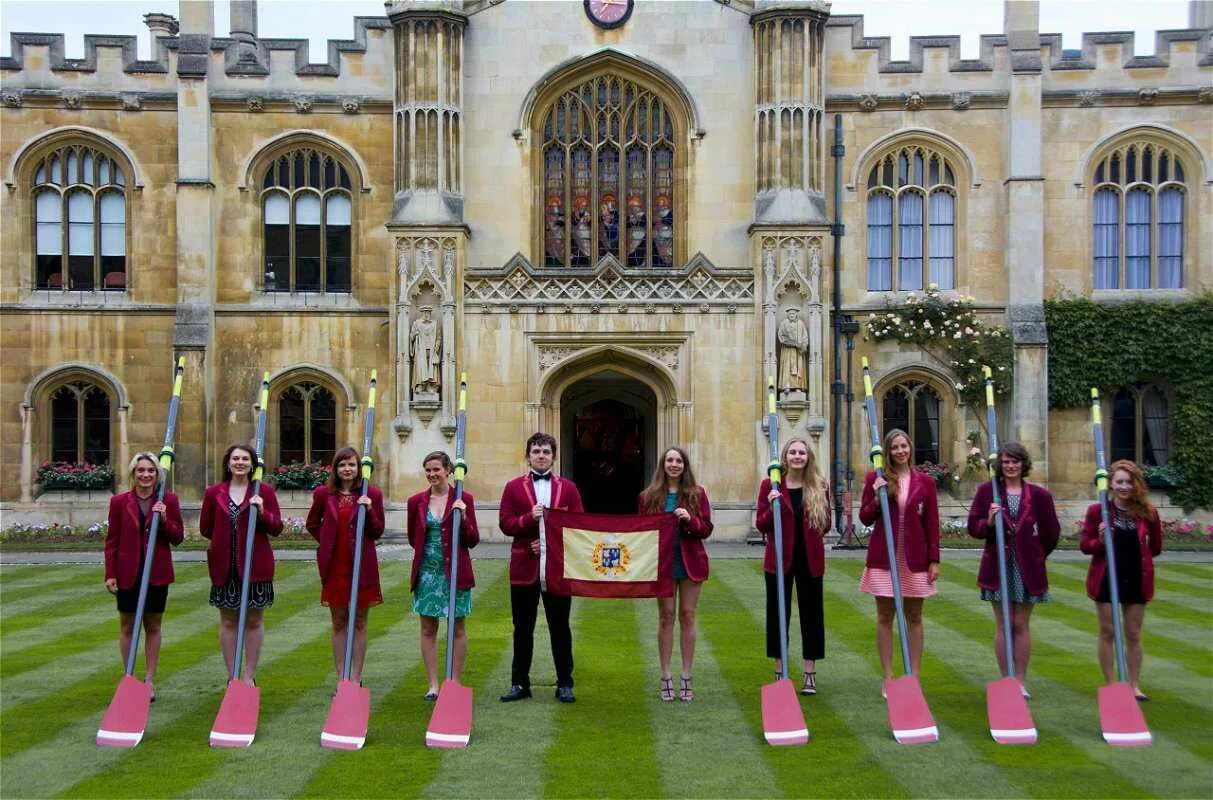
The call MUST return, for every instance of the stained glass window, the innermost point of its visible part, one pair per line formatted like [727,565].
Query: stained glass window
[608,176]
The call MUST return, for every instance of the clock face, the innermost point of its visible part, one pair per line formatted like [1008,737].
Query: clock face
[608,13]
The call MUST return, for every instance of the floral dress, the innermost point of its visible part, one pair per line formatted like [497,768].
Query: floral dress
[227,596]
[433,581]
[1015,586]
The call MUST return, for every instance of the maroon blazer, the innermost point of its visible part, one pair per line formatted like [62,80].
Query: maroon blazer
[515,520]
[691,534]
[469,536]
[214,524]
[1149,535]
[126,540]
[1035,535]
[322,525]
[921,533]
[814,541]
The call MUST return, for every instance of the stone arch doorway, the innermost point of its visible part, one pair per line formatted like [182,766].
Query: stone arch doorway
[608,424]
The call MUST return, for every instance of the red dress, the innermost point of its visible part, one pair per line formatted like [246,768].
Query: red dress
[336,591]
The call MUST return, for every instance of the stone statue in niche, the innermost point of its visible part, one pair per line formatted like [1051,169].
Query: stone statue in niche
[425,350]
[793,339]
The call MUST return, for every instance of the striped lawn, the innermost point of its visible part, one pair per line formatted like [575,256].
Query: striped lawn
[59,664]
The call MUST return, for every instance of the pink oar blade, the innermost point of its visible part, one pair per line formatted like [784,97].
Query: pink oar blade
[909,716]
[349,716]
[126,718]
[451,723]
[1007,709]
[236,723]
[1120,717]
[782,718]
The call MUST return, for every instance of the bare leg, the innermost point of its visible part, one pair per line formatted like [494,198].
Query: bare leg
[461,648]
[884,634]
[1021,615]
[665,634]
[228,620]
[126,629]
[913,609]
[1135,615]
[429,650]
[1107,639]
[359,645]
[151,649]
[340,618]
[254,635]
[688,598]
[999,641]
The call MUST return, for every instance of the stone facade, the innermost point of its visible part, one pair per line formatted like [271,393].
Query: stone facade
[436,112]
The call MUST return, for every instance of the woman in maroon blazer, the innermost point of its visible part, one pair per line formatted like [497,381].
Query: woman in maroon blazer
[224,521]
[332,521]
[1137,537]
[804,508]
[674,489]
[1031,531]
[130,520]
[914,510]
[428,524]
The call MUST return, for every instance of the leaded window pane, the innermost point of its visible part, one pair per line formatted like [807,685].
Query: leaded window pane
[909,242]
[1107,239]
[1137,239]
[1170,238]
[880,242]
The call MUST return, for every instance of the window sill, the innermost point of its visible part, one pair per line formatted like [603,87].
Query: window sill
[1126,295]
[57,298]
[302,300]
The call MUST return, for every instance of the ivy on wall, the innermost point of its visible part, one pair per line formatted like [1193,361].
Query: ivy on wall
[1170,344]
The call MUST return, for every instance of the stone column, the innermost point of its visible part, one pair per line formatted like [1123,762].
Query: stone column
[193,330]
[161,26]
[27,453]
[244,56]
[788,115]
[1025,234]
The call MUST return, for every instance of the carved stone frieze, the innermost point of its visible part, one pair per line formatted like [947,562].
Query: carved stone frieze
[1205,95]
[1088,98]
[551,355]
[418,269]
[608,286]
[915,101]
[303,104]
[255,104]
[962,101]
[351,105]
[1147,97]
[131,102]
[71,100]
[868,102]
[11,99]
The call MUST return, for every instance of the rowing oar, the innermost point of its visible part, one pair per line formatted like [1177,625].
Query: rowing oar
[782,718]
[1120,716]
[350,712]
[1006,707]
[451,723]
[236,723]
[126,718]
[909,716]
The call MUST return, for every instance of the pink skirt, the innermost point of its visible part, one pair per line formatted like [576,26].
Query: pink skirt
[879,582]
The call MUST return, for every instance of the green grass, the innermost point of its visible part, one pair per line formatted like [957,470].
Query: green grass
[59,665]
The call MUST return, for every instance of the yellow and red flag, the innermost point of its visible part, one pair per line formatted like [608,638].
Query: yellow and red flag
[609,555]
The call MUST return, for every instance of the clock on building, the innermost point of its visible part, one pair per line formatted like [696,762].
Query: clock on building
[608,13]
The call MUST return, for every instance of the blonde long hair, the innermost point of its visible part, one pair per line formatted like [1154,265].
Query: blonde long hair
[814,492]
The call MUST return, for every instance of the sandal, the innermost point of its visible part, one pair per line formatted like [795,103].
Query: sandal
[778,675]
[686,695]
[810,683]
[667,690]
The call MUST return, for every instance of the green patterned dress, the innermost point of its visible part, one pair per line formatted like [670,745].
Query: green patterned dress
[434,582]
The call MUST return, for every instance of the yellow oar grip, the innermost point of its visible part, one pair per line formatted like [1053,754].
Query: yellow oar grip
[1096,414]
[463,391]
[770,394]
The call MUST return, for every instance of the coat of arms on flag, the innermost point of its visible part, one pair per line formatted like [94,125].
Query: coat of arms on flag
[609,555]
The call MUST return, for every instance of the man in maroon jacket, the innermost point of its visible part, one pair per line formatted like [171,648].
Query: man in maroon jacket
[521,518]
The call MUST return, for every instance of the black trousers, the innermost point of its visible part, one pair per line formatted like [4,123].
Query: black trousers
[809,605]
[524,607]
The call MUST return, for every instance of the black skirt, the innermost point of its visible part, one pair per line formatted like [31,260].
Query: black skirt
[128,599]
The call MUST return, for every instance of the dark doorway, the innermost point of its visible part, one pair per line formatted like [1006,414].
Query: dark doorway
[609,423]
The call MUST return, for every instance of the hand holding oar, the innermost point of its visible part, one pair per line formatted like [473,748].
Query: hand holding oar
[1006,708]
[236,723]
[1120,716]
[349,714]
[451,723]
[909,716]
[782,718]
[126,718]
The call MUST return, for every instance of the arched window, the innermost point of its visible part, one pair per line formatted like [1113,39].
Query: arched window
[608,176]
[307,424]
[1141,425]
[913,406]
[79,192]
[911,220]
[80,424]
[1138,218]
[306,202]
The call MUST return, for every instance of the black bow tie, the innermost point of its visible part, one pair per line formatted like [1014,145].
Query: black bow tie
[536,476]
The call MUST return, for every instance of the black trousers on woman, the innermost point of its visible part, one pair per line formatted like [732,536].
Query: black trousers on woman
[809,605]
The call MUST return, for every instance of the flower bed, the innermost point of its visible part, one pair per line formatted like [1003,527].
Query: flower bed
[298,476]
[79,477]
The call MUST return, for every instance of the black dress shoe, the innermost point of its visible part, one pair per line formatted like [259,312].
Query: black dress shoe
[565,694]
[516,692]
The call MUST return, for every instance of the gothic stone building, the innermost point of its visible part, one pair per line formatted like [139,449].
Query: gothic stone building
[601,212]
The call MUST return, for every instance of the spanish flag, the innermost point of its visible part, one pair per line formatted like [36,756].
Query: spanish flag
[608,555]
